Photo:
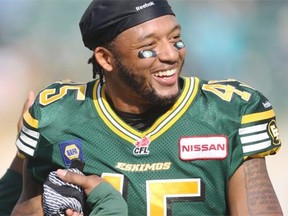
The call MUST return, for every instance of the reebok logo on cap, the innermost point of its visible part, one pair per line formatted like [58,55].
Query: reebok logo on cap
[146,5]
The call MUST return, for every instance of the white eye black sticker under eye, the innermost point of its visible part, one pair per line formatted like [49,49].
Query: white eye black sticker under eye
[147,54]
[179,45]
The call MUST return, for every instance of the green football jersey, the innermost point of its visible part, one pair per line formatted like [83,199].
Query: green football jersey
[181,165]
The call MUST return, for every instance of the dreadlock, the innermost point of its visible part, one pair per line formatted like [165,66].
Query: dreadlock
[96,69]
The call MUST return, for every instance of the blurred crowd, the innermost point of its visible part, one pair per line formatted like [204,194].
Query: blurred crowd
[247,40]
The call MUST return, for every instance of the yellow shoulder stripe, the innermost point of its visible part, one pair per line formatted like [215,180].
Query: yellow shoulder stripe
[30,120]
[257,116]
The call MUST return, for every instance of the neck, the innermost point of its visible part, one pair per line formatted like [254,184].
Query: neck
[123,104]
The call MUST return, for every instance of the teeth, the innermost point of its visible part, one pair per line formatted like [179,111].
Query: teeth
[165,73]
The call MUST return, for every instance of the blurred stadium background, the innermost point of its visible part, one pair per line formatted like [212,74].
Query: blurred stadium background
[243,39]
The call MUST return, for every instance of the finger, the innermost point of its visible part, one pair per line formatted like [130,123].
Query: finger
[29,101]
[88,183]
[70,177]
[31,98]
[70,212]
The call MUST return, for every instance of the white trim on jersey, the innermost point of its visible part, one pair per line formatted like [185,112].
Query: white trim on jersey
[254,138]
[27,140]
[111,119]
[31,133]
[252,129]
[176,111]
[257,146]
[24,148]
[25,143]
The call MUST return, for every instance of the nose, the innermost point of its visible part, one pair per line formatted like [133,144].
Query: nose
[168,52]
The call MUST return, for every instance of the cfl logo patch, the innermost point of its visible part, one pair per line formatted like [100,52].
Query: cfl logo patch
[274,132]
[141,146]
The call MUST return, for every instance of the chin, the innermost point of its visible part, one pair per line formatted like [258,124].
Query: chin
[167,97]
[169,91]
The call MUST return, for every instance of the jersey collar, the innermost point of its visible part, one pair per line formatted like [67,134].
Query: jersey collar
[161,125]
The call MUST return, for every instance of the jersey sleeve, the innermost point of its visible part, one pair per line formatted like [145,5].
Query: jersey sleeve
[29,135]
[46,114]
[258,133]
[105,200]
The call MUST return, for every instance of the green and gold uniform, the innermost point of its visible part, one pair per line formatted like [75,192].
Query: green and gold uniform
[180,165]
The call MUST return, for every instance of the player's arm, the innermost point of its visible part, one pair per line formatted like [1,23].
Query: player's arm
[11,181]
[251,191]
[101,196]
[17,163]
[30,201]
[10,186]
[250,188]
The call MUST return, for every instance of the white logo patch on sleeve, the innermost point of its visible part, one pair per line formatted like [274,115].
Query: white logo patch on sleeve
[203,147]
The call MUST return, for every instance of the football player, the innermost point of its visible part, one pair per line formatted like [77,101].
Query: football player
[171,145]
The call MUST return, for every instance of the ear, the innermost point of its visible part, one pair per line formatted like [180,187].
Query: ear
[104,58]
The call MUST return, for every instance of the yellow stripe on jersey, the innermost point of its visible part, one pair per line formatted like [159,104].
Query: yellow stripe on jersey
[99,99]
[30,120]
[257,116]
[179,108]
[113,117]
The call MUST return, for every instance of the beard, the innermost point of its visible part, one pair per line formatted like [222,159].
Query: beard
[138,84]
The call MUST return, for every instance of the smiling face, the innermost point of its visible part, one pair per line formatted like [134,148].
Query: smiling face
[146,81]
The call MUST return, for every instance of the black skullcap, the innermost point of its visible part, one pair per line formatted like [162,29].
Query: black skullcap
[103,20]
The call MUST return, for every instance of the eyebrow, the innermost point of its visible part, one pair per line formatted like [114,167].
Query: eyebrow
[142,38]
